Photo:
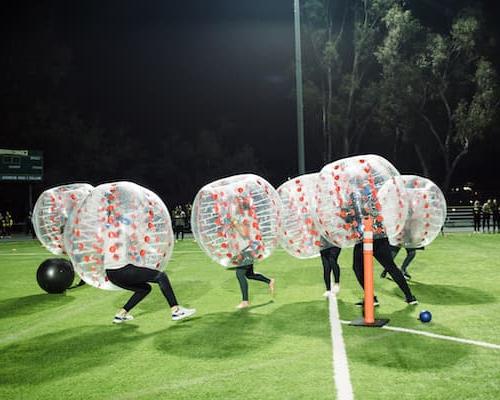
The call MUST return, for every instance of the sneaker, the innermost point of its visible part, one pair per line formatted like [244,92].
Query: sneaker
[362,302]
[412,301]
[335,288]
[383,274]
[182,313]
[327,294]
[243,304]
[407,276]
[120,319]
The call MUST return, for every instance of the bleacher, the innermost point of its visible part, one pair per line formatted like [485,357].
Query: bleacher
[459,218]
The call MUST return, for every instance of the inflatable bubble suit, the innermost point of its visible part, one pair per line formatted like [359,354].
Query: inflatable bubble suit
[52,210]
[426,213]
[301,236]
[355,187]
[118,224]
[237,220]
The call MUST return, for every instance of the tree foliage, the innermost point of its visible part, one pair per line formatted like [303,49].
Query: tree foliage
[381,69]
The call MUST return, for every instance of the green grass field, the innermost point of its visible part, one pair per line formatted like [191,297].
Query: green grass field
[65,347]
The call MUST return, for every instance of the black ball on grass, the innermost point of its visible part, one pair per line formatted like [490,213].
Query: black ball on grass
[55,275]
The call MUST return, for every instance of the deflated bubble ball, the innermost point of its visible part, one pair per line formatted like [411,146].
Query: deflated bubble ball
[425,316]
[118,224]
[55,275]
[426,213]
[52,210]
[237,220]
[300,234]
[355,187]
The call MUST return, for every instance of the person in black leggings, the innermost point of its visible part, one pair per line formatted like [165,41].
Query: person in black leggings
[241,226]
[382,253]
[136,279]
[410,255]
[246,272]
[329,256]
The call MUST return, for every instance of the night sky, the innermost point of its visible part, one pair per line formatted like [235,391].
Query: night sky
[156,68]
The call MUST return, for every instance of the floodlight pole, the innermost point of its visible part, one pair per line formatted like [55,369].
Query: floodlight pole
[298,85]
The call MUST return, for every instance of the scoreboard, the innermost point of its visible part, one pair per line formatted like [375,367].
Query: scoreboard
[21,165]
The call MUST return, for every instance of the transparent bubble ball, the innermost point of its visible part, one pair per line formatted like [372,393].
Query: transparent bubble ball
[237,220]
[52,210]
[353,188]
[118,224]
[301,235]
[426,213]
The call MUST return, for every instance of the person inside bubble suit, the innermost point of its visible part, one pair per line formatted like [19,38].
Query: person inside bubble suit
[381,250]
[250,245]
[411,252]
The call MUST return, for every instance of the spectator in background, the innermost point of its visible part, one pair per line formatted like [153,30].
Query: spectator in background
[179,222]
[495,212]
[476,213]
[188,208]
[486,210]
[2,233]
[7,222]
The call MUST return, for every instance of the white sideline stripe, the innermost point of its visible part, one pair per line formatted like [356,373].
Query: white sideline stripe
[437,336]
[341,374]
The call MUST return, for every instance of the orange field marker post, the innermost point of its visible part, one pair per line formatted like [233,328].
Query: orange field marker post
[368,304]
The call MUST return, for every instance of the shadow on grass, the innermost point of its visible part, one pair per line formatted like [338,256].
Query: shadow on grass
[218,335]
[18,306]
[62,353]
[234,334]
[403,351]
[449,294]
[301,319]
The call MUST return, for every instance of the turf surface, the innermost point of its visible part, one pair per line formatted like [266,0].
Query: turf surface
[65,347]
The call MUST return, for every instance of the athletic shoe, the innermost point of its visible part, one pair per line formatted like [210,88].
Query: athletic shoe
[182,313]
[407,276]
[327,294]
[243,304]
[120,319]
[412,301]
[362,302]
[383,274]
[335,288]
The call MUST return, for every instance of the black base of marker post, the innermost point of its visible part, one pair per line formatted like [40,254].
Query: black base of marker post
[378,323]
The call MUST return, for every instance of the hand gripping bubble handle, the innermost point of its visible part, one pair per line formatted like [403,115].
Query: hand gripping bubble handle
[369,309]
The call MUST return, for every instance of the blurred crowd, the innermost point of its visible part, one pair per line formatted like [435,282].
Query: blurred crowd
[486,216]
[6,223]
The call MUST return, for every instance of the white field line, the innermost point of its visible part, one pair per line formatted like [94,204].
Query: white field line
[341,374]
[437,336]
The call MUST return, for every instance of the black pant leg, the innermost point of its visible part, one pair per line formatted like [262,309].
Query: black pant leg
[327,270]
[382,253]
[250,274]
[242,280]
[332,255]
[136,279]
[166,288]
[410,255]
[124,278]
[357,264]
